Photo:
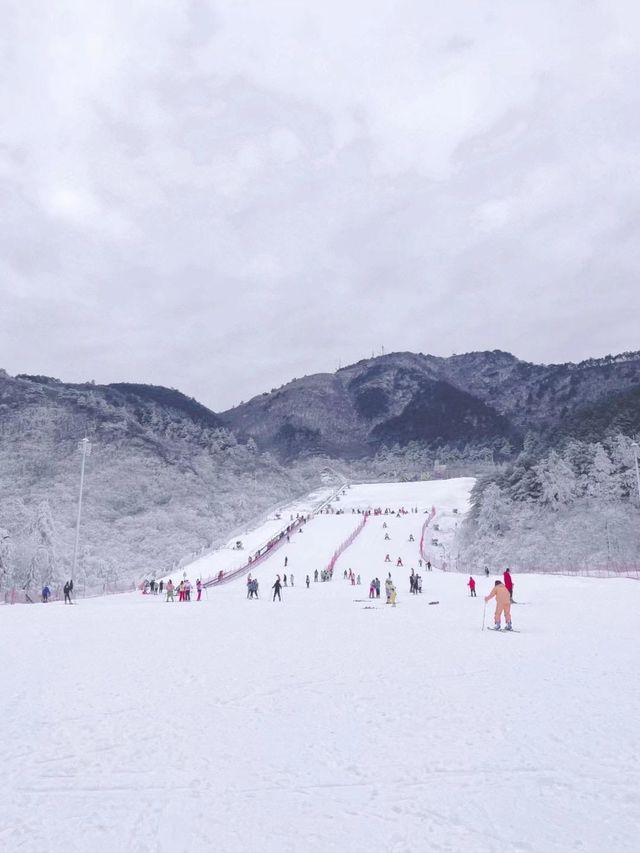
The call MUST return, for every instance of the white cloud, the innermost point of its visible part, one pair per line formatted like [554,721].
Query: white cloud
[218,196]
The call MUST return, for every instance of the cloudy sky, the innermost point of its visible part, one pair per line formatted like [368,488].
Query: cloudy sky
[220,195]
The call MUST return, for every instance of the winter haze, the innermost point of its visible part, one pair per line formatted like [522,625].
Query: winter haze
[220,196]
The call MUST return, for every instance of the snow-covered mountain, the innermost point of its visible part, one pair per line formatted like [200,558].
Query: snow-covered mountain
[480,398]
[168,476]
[164,479]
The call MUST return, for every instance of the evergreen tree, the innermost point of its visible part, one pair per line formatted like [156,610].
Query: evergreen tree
[557,480]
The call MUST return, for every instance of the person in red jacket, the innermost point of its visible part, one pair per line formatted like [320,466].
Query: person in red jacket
[472,587]
[508,582]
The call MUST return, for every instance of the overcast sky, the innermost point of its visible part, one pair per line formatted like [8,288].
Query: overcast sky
[221,195]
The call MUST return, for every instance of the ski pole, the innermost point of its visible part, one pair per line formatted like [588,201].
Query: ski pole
[484,611]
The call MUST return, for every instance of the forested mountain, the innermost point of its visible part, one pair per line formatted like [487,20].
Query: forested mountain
[163,479]
[488,399]
[168,476]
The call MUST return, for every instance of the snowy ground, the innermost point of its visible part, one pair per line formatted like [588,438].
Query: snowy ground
[317,725]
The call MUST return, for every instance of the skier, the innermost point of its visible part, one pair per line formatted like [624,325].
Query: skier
[315,576]
[386,536]
[377,587]
[428,565]
[67,593]
[344,576]
[472,587]
[508,582]
[419,584]
[284,580]
[276,589]
[199,588]
[358,580]
[399,561]
[387,559]
[286,561]
[46,592]
[372,589]
[291,579]
[388,584]
[411,539]
[503,605]
[169,588]
[393,595]
[161,586]
[308,581]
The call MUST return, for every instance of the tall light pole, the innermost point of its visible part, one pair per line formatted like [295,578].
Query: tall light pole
[84,447]
[635,451]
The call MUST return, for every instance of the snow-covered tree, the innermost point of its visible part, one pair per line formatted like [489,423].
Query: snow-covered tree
[557,480]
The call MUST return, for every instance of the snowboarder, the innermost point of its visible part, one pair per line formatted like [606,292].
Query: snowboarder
[276,589]
[472,587]
[503,605]
[508,582]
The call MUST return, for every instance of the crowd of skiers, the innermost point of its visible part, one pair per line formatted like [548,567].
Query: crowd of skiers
[183,590]
[502,590]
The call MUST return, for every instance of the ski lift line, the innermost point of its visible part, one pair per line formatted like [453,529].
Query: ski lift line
[426,524]
[270,546]
[346,544]
[194,556]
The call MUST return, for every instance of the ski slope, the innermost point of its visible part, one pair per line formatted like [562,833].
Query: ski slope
[318,725]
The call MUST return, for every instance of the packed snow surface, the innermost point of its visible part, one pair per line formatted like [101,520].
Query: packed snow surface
[318,724]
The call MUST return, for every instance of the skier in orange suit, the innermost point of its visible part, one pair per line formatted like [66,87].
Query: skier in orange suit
[503,605]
